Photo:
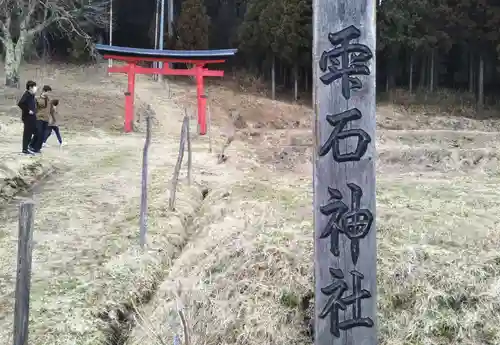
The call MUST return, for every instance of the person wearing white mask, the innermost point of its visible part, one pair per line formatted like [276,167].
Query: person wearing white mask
[27,104]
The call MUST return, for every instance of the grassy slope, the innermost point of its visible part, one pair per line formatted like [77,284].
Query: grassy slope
[249,259]
[244,274]
[86,258]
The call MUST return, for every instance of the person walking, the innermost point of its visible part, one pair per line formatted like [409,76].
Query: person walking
[53,126]
[43,115]
[27,104]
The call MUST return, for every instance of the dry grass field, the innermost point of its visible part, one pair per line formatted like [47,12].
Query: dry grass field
[238,262]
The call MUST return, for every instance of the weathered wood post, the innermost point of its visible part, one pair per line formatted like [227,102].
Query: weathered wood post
[143,216]
[188,143]
[209,126]
[23,282]
[344,172]
[178,164]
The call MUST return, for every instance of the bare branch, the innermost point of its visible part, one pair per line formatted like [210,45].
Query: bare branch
[72,17]
[32,6]
[43,20]
[5,29]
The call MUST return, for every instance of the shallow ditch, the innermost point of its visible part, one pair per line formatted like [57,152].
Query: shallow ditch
[119,321]
[18,188]
[122,320]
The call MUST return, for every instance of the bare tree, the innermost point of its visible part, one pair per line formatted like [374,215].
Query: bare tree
[22,20]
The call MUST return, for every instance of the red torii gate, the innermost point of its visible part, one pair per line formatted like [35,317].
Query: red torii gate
[198,58]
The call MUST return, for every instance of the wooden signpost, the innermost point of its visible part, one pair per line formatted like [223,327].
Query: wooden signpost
[344,172]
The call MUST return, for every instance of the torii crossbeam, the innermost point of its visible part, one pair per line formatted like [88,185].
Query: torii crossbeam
[198,58]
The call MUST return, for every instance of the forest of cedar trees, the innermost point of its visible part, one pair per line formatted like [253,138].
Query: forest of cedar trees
[423,46]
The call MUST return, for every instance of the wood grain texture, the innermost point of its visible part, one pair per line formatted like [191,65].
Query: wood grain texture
[178,164]
[190,153]
[331,17]
[209,115]
[23,282]
[144,183]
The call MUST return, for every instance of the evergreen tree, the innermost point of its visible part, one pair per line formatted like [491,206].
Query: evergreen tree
[294,35]
[193,26]
[250,33]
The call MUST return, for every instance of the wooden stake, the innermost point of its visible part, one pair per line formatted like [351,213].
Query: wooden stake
[188,141]
[23,282]
[144,182]
[344,172]
[177,169]
[209,127]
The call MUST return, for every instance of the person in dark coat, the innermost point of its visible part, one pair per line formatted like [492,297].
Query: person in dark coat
[28,106]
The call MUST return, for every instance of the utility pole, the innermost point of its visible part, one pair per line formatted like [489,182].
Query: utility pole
[170,18]
[162,28]
[345,252]
[170,22]
[110,61]
[157,10]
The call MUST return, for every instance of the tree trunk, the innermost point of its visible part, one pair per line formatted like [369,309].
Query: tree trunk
[423,67]
[13,57]
[285,76]
[12,65]
[273,79]
[471,72]
[480,84]
[306,77]
[296,82]
[11,68]
[432,72]
[411,74]
[170,18]
[390,80]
